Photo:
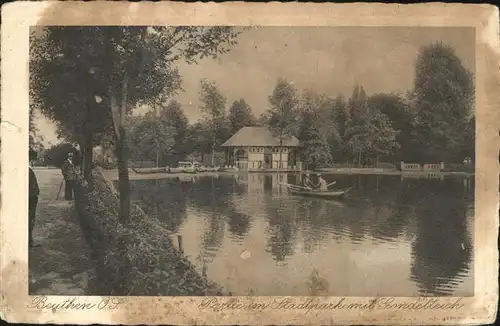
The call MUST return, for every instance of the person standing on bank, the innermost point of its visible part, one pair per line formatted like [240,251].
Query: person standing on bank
[34,192]
[68,171]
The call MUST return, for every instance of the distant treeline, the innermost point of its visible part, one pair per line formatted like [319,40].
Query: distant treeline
[430,123]
[433,122]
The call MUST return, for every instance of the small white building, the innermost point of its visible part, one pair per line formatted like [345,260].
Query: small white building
[255,148]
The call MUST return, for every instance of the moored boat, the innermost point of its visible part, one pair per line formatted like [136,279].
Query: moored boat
[228,169]
[212,169]
[150,170]
[175,170]
[186,167]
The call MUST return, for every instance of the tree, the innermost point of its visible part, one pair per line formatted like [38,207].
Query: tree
[444,97]
[357,104]
[469,145]
[315,144]
[60,84]
[369,133]
[240,115]
[213,106]
[148,134]
[263,119]
[173,117]
[382,137]
[122,66]
[356,130]
[282,113]
[358,137]
[398,112]
[372,137]
[341,117]
[199,138]
[318,130]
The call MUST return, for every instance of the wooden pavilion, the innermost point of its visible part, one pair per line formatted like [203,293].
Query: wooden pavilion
[256,149]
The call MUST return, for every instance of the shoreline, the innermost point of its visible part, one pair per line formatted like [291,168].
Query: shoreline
[155,241]
[112,174]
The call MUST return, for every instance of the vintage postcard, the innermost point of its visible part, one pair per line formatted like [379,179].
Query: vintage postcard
[249,163]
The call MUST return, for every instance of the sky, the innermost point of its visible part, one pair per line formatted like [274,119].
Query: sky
[328,60]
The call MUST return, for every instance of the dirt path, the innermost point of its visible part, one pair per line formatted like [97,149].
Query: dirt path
[62,264]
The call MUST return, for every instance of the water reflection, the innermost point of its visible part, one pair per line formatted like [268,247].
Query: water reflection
[418,230]
[281,218]
[165,199]
[442,248]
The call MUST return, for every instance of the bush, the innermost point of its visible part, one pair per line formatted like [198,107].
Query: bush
[136,258]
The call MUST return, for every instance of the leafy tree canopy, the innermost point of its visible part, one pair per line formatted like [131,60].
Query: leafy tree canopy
[282,114]
[240,115]
[444,99]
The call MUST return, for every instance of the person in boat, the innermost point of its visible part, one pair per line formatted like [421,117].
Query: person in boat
[306,182]
[322,185]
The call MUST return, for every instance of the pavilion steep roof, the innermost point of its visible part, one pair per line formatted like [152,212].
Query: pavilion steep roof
[258,136]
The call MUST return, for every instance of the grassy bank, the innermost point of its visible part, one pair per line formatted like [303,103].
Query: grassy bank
[137,257]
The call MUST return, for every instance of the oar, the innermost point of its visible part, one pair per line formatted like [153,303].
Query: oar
[331,183]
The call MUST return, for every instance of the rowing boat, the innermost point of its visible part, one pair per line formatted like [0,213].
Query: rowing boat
[338,194]
[303,191]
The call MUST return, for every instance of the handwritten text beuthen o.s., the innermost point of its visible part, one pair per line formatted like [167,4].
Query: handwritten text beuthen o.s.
[42,302]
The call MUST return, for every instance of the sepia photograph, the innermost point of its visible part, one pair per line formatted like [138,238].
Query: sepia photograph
[245,163]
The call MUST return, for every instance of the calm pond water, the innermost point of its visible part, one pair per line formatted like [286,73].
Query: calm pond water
[391,236]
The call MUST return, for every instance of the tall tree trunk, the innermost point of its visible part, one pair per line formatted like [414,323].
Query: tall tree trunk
[123,176]
[88,136]
[157,153]
[88,156]
[156,138]
[118,112]
[213,152]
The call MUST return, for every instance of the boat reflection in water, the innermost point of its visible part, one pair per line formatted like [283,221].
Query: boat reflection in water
[388,237]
